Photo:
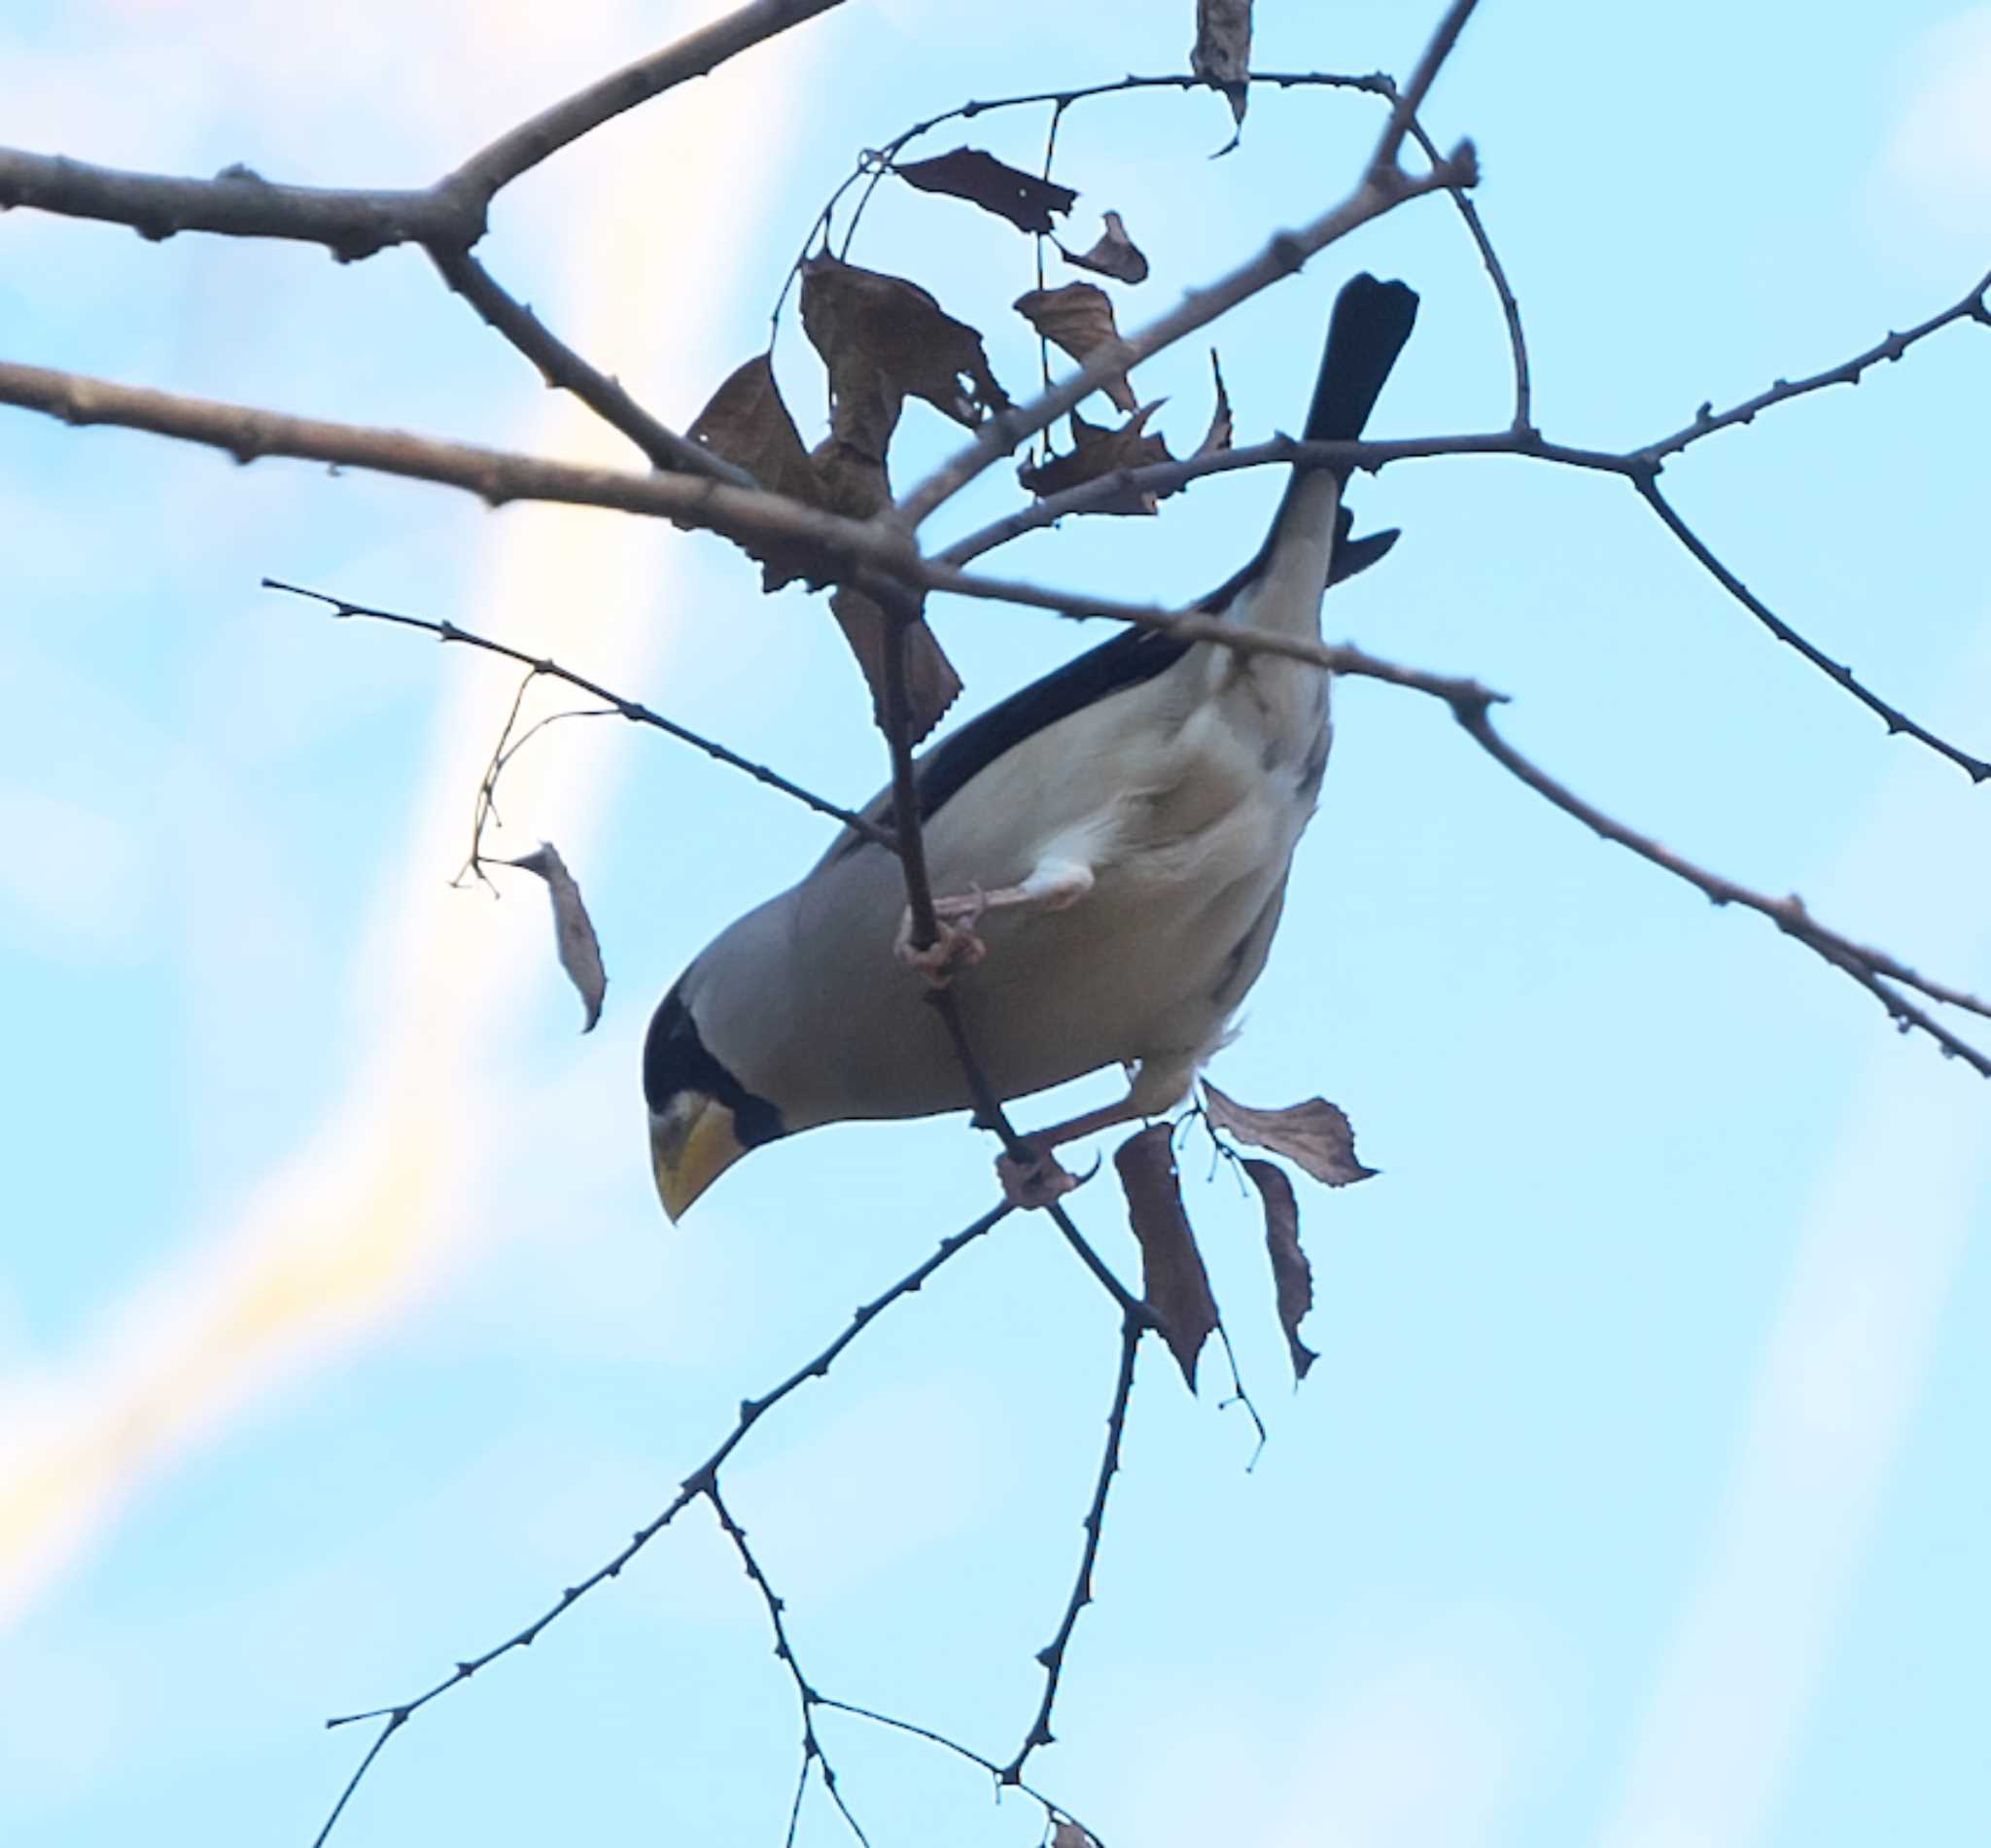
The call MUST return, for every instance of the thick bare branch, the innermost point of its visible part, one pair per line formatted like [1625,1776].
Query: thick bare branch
[495,475]
[696,55]
[354,224]
[239,203]
[1403,110]
[562,368]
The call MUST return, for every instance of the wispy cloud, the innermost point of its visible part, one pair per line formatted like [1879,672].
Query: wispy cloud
[1842,1370]
[355,1222]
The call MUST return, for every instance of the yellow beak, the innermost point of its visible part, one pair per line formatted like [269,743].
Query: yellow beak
[691,1144]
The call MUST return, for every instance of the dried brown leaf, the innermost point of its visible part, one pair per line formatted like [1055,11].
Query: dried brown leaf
[574,934]
[1292,1276]
[931,683]
[967,173]
[1217,437]
[855,486]
[1079,320]
[883,337]
[1173,1283]
[1115,254]
[1222,52]
[1096,451]
[747,423]
[1316,1134]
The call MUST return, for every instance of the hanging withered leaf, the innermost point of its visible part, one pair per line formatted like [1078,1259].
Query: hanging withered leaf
[746,423]
[931,683]
[1095,452]
[967,173]
[857,487]
[1317,1134]
[1173,1283]
[1222,52]
[1292,1276]
[573,935]
[1115,254]
[1079,320]
[881,337]
[1217,437]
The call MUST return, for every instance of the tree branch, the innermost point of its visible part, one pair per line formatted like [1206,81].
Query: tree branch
[563,368]
[358,223]
[752,1412]
[632,710]
[1895,719]
[697,54]
[1971,307]
[1052,1655]
[238,203]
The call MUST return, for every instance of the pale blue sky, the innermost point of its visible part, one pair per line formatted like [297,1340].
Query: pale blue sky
[1637,1497]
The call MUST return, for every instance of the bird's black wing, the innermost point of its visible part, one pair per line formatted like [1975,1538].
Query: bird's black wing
[1132,658]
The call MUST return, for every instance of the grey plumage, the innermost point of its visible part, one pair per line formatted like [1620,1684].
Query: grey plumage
[1131,819]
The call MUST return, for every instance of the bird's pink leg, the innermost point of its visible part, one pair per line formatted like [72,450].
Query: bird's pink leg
[1053,885]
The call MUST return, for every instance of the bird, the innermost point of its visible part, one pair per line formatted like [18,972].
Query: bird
[1108,849]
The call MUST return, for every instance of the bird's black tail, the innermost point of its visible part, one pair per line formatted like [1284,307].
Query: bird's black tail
[1371,322]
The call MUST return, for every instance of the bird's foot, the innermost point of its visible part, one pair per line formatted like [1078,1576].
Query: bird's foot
[1034,1181]
[958,947]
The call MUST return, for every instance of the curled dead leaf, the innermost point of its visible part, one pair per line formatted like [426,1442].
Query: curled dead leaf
[1174,1286]
[883,337]
[1115,254]
[967,173]
[1217,437]
[1292,1276]
[1078,319]
[1317,1134]
[931,683]
[1222,52]
[1096,451]
[574,934]
[747,423]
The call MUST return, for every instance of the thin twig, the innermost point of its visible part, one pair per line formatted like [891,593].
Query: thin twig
[1970,306]
[1055,1812]
[1510,308]
[1052,1655]
[1875,970]
[784,1653]
[632,710]
[1892,716]
[752,1412]
[900,612]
